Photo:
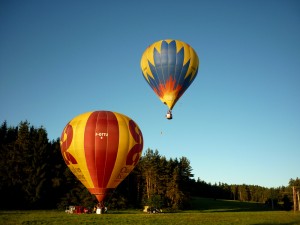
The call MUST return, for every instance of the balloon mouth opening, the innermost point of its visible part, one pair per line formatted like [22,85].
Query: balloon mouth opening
[100,198]
[100,193]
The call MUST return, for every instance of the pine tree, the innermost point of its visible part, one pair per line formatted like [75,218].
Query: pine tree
[174,194]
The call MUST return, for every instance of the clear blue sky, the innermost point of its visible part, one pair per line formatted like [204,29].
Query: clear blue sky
[239,121]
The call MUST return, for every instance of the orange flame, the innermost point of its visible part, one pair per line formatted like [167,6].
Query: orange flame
[169,88]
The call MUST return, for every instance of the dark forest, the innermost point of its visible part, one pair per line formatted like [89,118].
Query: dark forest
[34,176]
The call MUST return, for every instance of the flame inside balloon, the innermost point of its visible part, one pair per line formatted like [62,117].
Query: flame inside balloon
[169,67]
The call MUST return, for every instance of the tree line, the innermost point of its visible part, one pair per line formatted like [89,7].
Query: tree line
[34,176]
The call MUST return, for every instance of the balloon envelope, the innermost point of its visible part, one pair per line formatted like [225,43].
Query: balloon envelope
[169,67]
[101,148]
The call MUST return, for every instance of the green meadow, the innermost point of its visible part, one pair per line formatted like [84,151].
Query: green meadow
[205,211]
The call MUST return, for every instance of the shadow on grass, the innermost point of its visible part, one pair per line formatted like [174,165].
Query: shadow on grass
[130,211]
[291,223]
[7,212]
[217,205]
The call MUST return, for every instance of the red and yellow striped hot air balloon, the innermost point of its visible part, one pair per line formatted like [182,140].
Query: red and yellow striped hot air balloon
[101,148]
[169,67]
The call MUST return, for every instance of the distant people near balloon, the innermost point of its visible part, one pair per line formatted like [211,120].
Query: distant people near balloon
[101,148]
[169,66]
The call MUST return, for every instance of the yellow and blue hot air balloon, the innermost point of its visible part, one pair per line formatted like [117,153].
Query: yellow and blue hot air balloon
[169,67]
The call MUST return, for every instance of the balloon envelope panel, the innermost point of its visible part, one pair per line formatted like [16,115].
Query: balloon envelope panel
[169,67]
[101,148]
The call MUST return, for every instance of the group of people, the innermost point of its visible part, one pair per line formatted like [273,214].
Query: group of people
[100,208]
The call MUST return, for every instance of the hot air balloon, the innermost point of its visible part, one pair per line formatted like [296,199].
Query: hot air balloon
[169,67]
[101,148]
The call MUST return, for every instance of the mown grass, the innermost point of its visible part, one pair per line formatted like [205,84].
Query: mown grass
[205,211]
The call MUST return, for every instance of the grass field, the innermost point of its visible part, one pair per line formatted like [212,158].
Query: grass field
[206,211]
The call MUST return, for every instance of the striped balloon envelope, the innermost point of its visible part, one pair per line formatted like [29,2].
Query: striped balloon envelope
[101,148]
[169,67]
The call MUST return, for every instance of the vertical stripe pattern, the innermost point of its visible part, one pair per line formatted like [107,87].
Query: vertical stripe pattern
[96,146]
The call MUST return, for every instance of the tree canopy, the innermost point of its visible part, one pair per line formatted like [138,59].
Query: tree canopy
[34,176]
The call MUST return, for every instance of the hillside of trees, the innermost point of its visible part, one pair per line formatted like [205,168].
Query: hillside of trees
[34,176]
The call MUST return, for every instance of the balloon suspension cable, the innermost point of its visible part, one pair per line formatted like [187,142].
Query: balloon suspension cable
[169,114]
